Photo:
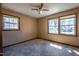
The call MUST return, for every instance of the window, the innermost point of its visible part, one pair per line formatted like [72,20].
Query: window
[10,22]
[53,26]
[68,25]
[63,25]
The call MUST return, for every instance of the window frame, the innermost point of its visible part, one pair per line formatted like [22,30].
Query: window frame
[48,25]
[75,26]
[76,17]
[11,29]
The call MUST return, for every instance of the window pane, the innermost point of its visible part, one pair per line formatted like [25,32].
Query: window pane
[11,20]
[11,26]
[6,26]
[53,22]
[53,30]
[70,21]
[53,26]
[68,25]
[15,20]
[10,23]
[15,26]
[67,30]
[6,19]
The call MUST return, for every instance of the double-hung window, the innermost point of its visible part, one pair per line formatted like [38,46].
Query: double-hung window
[63,25]
[68,25]
[10,22]
[53,25]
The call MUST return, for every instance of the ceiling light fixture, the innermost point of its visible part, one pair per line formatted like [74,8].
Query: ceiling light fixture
[40,9]
[40,12]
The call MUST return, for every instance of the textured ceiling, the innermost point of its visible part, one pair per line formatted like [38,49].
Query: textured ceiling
[25,8]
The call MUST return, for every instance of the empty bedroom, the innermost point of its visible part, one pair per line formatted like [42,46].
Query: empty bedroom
[40,29]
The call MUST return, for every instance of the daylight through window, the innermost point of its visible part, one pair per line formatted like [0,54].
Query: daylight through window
[10,22]
[68,25]
[63,25]
[53,26]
